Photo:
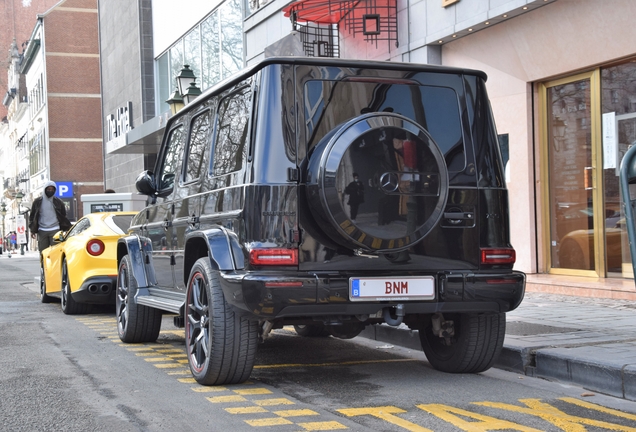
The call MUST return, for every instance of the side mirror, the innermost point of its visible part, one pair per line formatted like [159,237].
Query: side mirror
[58,237]
[145,183]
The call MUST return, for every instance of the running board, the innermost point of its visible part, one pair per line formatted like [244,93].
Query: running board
[157,299]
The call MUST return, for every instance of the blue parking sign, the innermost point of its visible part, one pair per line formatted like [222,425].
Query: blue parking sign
[64,190]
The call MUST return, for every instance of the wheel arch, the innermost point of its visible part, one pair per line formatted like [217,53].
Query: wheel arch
[217,243]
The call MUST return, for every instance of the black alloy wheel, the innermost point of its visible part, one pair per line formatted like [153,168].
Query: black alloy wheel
[135,323]
[220,342]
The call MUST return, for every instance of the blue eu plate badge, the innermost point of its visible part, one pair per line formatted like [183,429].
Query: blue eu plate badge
[355,288]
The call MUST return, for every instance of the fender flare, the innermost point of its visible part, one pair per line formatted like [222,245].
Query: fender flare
[138,249]
[219,244]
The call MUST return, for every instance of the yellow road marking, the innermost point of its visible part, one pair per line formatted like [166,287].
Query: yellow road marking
[187,380]
[208,389]
[246,410]
[157,359]
[225,399]
[167,365]
[180,372]
[256,391]
[322,426]
[138,348]
[273,402]
[296,413]
[347,363]
[275,421]
[555,416]
[484,423]
[595,407]
[386,413]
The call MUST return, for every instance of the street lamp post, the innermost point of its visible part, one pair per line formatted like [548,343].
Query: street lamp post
[3,212]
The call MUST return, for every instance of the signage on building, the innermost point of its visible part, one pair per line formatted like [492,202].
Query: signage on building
[118,125]
[21,229]
[107,207]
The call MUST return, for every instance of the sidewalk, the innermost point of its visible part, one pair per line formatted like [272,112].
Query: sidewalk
[585,341]
[27,254]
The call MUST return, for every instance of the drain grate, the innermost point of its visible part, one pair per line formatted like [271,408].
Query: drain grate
[516,328]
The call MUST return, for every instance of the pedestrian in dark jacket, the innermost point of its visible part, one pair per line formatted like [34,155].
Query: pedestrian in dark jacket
[48,216]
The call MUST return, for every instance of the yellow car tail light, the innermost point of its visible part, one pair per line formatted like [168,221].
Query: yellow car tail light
[95,247]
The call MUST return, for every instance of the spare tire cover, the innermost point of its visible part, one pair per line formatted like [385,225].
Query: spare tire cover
[403,176]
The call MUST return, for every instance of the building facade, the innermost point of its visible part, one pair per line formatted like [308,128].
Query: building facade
[53,126]
[561,83]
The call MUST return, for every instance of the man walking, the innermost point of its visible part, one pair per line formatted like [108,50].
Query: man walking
[355,190]
[48,216]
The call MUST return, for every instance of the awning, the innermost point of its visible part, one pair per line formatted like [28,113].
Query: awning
[320,11]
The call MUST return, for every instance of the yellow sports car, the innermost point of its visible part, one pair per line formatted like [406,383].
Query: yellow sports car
[81,268]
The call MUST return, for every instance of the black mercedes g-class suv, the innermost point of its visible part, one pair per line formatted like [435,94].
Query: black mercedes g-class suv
[329,195]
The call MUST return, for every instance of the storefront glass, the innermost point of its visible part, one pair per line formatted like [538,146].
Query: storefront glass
[570,186]
[618,107]
[589,123]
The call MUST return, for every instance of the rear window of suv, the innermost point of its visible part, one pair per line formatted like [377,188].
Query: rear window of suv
[328,104]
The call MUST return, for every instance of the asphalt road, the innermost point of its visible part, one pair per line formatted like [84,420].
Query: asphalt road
[71,373]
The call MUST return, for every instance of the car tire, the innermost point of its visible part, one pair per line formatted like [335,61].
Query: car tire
[346,330]
[69,305]
[135,323]
[312,330]
[220,342]
[44,297]
[475,346]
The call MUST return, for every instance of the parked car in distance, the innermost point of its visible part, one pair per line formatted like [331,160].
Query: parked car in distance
[81,268]
[253,222]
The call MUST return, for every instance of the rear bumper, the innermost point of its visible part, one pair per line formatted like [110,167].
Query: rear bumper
[285,295]
[97,290]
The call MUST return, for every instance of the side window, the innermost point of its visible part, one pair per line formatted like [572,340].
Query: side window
[81,226]
[199,133]
[231,144]
[174,150]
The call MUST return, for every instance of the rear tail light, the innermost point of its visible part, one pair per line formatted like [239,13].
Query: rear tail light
[95,247]
[275,257]
[498,256]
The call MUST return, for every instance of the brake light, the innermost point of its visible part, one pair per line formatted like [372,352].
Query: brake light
[274,257]
[95,247]
[498,256]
